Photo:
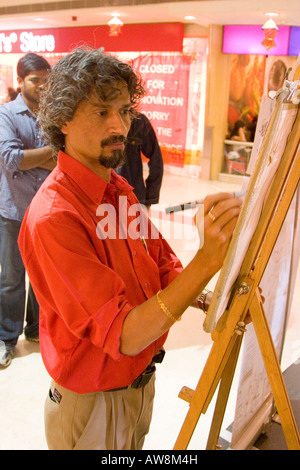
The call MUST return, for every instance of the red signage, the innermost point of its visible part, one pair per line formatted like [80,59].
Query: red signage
[135,37]
[166,79]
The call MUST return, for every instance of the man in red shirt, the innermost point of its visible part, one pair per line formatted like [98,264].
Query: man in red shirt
[108,285]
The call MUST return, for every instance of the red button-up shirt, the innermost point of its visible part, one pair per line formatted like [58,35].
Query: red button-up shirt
[88,274]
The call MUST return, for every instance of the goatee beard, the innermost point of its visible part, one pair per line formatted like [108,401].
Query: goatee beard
[117,159]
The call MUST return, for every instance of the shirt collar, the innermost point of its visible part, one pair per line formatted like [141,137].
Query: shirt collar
[20,105]
[91,184]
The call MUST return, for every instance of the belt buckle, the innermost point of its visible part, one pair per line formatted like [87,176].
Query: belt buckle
[55,396]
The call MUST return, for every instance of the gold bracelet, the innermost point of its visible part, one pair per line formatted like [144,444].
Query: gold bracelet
[165,308]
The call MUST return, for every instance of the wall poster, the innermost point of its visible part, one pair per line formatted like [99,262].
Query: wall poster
[166,79]
[175,102]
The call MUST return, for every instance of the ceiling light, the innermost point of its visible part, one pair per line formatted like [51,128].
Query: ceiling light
[190,17]
[115,25]
[270,31]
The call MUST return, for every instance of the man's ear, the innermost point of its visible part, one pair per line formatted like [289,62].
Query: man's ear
[64,128]
[20,81]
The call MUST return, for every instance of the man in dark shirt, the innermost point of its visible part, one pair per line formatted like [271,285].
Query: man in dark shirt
[142,139]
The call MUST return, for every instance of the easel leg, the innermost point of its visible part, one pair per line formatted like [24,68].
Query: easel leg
[206,387]
[273,370]
[223,394]
[224,336]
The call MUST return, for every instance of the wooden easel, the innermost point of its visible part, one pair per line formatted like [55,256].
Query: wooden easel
[246,301]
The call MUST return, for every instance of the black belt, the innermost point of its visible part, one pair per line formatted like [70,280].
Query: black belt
[146,375]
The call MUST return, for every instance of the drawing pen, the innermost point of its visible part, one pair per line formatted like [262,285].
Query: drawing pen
[191,205]
[145,244]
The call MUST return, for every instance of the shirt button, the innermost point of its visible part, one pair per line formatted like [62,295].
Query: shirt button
[146,285]
[134,252]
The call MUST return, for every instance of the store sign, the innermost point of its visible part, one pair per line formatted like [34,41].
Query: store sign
[166,78]
[136,37]
[28,42]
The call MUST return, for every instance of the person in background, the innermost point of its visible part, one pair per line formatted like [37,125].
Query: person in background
[142,139]
[238,132]
[109,288]
[251,129]
[25,162]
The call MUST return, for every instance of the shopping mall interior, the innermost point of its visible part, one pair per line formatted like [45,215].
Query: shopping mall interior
[206,65]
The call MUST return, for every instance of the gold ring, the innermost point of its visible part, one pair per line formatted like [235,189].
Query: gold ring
[211,215]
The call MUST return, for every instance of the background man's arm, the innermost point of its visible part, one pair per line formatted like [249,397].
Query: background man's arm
[38,158]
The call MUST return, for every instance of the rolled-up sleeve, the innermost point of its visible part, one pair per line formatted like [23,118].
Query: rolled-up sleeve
[11,147]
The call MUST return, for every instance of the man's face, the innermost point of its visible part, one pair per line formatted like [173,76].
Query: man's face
[32,86]
[97,133]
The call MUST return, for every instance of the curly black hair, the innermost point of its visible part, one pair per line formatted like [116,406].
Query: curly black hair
[75,77]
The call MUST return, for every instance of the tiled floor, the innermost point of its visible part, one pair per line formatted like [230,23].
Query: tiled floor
[24,384]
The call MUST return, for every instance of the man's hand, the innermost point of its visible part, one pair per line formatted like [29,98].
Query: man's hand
[221,212]
[49,164]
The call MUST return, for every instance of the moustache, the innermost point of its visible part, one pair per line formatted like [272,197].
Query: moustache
[113,139]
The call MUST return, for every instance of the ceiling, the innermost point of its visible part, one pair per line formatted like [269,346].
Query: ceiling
[205,12]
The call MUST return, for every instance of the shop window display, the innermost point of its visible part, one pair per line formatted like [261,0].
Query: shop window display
[251,77]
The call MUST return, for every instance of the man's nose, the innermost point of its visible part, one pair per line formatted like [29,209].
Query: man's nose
[117,123]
